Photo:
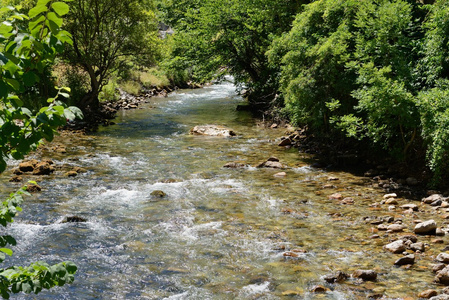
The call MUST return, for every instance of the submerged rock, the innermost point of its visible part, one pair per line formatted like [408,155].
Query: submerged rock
[212,130]
[74,219]
[33,188]
[158,194]
[234,165]
[43,168]
[427,294]
[337,277]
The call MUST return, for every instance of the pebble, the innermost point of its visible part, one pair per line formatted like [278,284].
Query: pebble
[392,195]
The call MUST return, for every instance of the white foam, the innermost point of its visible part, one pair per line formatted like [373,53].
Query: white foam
[254,289]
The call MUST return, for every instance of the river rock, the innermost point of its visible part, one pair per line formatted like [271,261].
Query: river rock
[285,142]
[28,166]
[16,178]
[43,168]
[392,201]
[336,196]
[33,188]
[319,289]
[337,277]
[212,130]
[74,219]
[427,227]
[234,165]
[440,297]
[418,247]
[405,260]
[438,267]
[158,194]
[427,294]
[443,276]
[366,275]
[396,246]
[396,227]
[392,195]
[409,237]
[411,206]
[280,174]
[71,174]
[443,258]
[432,198]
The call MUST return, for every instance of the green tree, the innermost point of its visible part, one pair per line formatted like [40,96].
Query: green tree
[105,33]
[232,37]
[28,44]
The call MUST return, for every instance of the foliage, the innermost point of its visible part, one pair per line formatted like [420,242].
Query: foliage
[215,37]
[28,44]
[105,34]
[348,65]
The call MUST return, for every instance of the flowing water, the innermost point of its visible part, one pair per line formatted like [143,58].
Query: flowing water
[220,233]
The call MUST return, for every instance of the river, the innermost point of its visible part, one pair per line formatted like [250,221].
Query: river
[220,233]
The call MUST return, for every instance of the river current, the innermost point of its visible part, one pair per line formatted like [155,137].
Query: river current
[220,233]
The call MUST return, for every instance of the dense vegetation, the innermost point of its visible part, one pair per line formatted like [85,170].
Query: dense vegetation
[374,71]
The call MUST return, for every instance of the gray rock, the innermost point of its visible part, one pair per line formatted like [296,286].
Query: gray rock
[234,165]
[442,276]
[418,247]
[432,198]
[443,258]
[212,130]
[427,227]
[440,297]
[396,246]
[410,206]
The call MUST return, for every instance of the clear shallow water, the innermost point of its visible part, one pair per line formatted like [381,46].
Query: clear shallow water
[220,233]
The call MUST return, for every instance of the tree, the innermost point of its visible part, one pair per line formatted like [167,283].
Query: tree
[231,36]
[104,33]
[29,43]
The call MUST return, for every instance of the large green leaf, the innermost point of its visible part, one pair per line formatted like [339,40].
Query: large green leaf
[60,8]
[37,10]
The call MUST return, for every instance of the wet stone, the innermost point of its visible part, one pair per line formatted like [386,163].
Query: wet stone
[337,277]
[366,275]
[396,227]
[234,165]
[71,174]
[443,258]
[74,219]
[33,188]
[442,276]
[318,289]
[438,267]
[432,198]
[427,294]
[158,194]
[417,247]
[16,178]
[405,260]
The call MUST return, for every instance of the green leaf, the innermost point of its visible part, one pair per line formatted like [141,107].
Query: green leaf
[60,8]
[30,78]
[6,251]
[14,83]
[54,18]
[37,10]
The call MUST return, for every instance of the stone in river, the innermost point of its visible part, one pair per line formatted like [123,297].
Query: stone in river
[280,174]
[339,276]
[442,276]
[366,275]
[396,246]
[285,142]
[418,247]
[212,130]
[443,258]
[396,227]
[427,227]
[427,294]
[33,188]
[405,260]
[319,289]
[234,165]
[433,198]
[158,194]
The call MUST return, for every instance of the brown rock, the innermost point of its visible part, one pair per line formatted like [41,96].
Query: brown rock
[433,198]
[273,164]
[17,172]
[418,247]
[280,174]
[347,201]
[71,174]
[319,289]
[212,130]
[337,277]
[27,166]
[366,275]
[442,276]
[33,188]
[411,206]
[285,142]
[158,194]
[391,201]
[16,178]
[427,294]
[79,170]
[43,168]
[438,267]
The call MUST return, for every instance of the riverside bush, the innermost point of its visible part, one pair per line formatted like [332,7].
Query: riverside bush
[28,45]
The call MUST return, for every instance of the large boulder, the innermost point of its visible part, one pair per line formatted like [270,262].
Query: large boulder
[43,168]
[212,130]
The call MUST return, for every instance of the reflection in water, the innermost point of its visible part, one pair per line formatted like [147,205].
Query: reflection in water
[220,233]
